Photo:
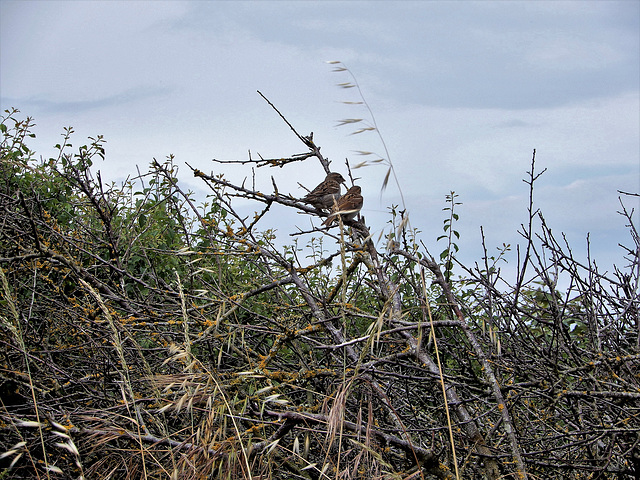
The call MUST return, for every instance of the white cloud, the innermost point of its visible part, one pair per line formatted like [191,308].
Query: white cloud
[570,52]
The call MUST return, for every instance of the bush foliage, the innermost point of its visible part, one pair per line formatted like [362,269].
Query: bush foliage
[147,336]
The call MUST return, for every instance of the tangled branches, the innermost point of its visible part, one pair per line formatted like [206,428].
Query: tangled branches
[145,336]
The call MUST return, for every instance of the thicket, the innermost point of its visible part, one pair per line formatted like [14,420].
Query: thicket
[145,335]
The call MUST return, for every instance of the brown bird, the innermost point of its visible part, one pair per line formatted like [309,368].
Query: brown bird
[347,206]
[324,194]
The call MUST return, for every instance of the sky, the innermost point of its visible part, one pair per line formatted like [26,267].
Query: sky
[462,93]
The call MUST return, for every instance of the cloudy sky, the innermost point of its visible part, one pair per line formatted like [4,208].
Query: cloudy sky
[462,93]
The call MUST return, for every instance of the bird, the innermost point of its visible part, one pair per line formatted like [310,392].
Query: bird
[347,206]
[324,194]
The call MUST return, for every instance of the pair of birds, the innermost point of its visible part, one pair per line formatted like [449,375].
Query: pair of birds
[327,195]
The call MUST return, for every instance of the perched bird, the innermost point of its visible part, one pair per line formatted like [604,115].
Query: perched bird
[347,206]
[324,194]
